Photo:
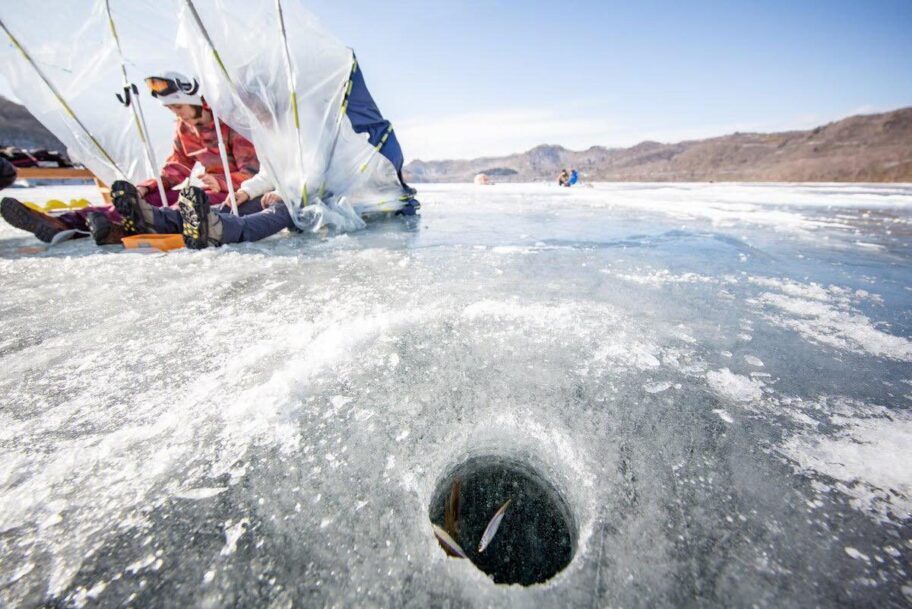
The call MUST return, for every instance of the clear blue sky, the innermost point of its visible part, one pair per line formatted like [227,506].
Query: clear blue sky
[474,77]
[465,78]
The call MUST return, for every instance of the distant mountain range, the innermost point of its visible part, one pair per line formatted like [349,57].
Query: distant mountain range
[20,129]
[868,148]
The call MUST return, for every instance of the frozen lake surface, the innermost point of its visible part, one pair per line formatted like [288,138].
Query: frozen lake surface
[716,379]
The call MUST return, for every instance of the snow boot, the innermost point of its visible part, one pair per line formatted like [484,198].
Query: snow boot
[41,225]
[202,226]
[137,219]
[103,231]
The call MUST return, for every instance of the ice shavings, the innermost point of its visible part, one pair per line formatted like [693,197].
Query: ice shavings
[628,353]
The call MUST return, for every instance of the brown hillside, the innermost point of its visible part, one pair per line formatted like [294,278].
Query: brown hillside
[20,129]
[869,148]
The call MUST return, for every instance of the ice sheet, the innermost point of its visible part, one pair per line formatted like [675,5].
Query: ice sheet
[717,377]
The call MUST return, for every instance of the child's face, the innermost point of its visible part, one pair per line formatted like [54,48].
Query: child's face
[186,112]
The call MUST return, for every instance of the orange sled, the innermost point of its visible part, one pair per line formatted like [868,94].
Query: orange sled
[163,243]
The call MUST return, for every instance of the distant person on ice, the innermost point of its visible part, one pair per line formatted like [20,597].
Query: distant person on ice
[195,140]
[563,178]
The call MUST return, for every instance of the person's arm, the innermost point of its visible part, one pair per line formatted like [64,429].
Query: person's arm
[174,171]
[257,186]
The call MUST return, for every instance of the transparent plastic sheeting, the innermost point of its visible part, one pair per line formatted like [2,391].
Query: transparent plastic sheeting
[327,173]
[71,43]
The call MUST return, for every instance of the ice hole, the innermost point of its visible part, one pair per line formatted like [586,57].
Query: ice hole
[537,536]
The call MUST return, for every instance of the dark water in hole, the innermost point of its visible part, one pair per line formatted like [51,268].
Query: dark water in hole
[537,537]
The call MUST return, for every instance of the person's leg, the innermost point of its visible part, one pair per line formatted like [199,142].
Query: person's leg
[203,226]
[136,213]
[154,199]
[165,220]
[78,218]
[257,226]
[253,206]
[103,230]
[41,225]
[105,224]
[147,214]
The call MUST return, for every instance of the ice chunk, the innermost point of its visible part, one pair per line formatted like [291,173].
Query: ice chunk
[734,386]
[724,415]
[201,492]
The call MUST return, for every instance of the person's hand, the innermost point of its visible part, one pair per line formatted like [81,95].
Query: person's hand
[142,191]
[211,184]
[271,198]
[241,197]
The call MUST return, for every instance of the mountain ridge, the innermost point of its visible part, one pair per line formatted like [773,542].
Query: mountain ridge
[20,129]
[860,148]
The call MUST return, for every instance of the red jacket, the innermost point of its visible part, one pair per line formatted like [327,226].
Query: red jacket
[192,145]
